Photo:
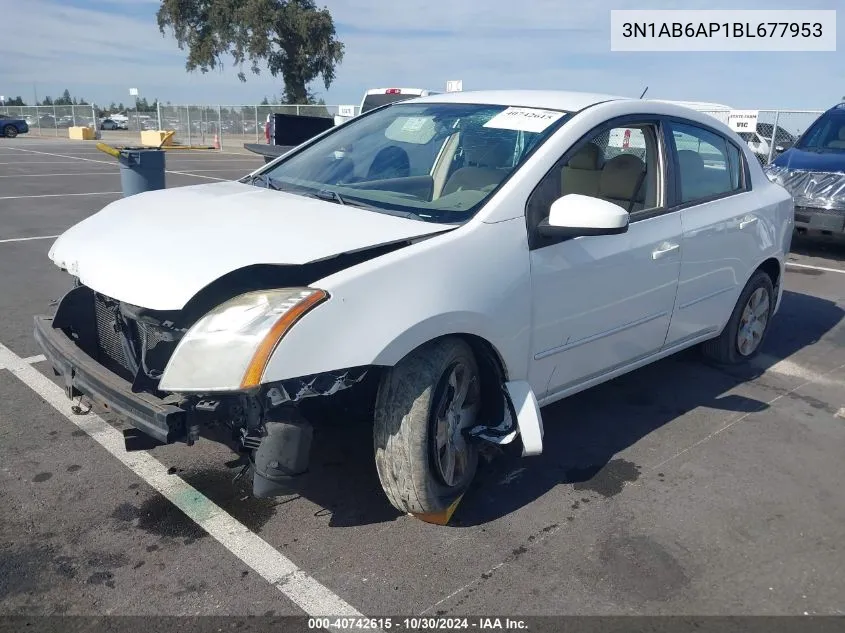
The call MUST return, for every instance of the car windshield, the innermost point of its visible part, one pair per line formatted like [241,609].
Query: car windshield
[431,161]
[827,134]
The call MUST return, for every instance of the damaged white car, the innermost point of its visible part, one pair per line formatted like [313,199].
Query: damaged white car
[451,263]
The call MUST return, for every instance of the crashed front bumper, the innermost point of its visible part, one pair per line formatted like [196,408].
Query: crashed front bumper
[82,375]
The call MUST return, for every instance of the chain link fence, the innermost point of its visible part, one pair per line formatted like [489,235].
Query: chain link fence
[234,125]
[52,120]
[784,126]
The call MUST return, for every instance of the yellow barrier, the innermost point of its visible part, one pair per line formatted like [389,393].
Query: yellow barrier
[81,133]
[157,138]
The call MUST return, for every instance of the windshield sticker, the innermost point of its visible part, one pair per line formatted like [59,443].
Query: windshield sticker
[524,119]
[414,124]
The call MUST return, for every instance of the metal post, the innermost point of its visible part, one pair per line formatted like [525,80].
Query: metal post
[188,111]
[55,120]
[297,110]
[73,114]
[257,135]
[220,125]
[774,136]
[158,114]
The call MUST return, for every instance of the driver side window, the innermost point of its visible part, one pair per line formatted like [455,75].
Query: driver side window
[620,165]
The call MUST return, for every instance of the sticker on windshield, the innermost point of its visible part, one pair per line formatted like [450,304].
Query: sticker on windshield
[414,124]
[524,119]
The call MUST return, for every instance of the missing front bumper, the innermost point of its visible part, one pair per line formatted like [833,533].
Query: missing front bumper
[82,375]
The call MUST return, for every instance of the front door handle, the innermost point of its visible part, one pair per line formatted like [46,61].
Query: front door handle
[747,221]
[664,249]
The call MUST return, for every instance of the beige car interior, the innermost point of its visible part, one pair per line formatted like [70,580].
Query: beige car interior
[625,179]
[487,160]
[840,142]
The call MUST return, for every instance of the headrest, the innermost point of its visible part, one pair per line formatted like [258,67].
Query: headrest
[488,148]
[621,176]
[691,162]
[586,158]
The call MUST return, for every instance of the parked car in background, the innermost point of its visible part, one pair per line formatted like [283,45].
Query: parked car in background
[446,265]
[760,142]
[11,126]
[108,124]
[813,171]
[375,97]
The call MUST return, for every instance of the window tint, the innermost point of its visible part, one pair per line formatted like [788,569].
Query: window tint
[706,169]
[828,132]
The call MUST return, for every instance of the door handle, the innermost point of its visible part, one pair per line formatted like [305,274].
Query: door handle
[747,221]
[664,249]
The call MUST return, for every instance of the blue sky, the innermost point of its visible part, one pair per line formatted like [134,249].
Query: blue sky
[100,48]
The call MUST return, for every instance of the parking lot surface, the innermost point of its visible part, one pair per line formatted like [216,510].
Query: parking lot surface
[678,489]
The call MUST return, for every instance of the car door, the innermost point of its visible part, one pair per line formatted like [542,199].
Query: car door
[603,302]
[723,237]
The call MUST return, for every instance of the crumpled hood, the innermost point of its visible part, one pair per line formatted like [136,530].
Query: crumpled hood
[158,249]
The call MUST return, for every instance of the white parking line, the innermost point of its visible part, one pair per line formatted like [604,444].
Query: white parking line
[790,368]
[308,594]
[827,270]
[61,195]
[104,162]
[28,239]
[30,360]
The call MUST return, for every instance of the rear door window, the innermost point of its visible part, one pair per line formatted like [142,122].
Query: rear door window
[710,166]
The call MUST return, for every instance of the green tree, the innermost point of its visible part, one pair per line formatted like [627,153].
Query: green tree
[64,100]
[47,101]
[17,101]
[293,38]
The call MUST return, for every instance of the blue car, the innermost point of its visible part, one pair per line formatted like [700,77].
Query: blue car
[813,171]
[11,127]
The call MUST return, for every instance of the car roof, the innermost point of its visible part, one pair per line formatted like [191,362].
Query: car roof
[551,99]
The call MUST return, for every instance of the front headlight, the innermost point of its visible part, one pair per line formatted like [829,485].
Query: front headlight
[229,347]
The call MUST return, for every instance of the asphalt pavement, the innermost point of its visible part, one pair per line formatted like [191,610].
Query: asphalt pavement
[677,489]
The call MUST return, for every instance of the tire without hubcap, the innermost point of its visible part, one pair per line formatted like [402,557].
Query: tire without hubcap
[424,407]
[10,131]
[743,336]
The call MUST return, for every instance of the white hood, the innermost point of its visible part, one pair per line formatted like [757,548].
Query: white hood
[158,249]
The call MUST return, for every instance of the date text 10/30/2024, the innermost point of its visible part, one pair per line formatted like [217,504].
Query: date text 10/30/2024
[418,624]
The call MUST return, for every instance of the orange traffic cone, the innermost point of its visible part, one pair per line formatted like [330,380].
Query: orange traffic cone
[216,142]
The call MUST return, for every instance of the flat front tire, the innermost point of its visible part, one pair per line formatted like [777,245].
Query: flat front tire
[423,408]
[746,330]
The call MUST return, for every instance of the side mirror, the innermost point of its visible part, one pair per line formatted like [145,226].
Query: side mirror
[576,215]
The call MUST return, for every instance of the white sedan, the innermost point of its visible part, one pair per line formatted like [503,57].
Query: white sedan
[450,264]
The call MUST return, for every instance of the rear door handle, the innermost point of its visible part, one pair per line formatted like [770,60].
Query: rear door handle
[747,221]
[664,249]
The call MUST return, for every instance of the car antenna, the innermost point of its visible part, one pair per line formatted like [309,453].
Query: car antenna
[644,91]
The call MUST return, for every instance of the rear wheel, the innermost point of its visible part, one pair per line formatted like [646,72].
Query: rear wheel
[10,131]
[743,336]
[424,406]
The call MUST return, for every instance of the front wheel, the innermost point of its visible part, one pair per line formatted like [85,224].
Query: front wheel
[425,404]
[10,131]
[743,336]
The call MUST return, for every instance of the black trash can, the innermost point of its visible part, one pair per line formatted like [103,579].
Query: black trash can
[141,169]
